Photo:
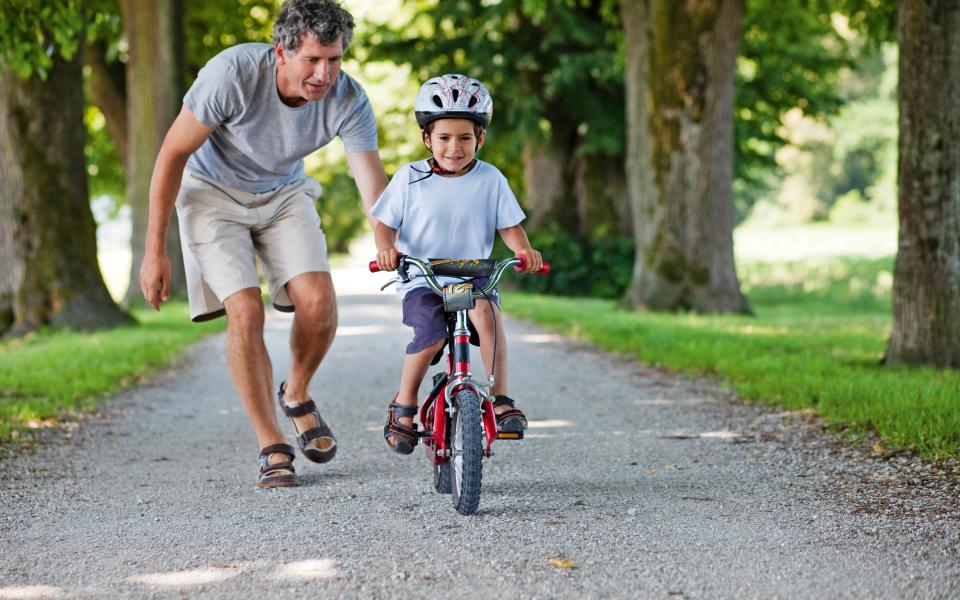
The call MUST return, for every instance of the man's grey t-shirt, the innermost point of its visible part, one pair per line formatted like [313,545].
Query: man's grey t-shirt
[258,143]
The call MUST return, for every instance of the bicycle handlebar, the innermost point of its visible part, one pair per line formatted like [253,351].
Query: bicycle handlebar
[518,263]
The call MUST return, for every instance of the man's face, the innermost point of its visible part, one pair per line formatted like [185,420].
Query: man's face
[453,143]
[308,73]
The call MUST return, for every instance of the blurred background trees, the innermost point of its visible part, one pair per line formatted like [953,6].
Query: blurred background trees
[810,135]
[48,253]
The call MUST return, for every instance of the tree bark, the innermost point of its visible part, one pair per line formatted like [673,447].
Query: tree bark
[600,196]
[154,91]
[546,171]
[48,253]
[681,68]
[926,288]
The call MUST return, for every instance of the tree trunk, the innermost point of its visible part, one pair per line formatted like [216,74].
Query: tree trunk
[600,196]
[48,247]
[926,288]
[546,171]
[681,68]
[154,92]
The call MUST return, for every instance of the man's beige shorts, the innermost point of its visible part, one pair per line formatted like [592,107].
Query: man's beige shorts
[223,229]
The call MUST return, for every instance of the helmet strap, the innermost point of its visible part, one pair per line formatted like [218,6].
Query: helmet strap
[436,168]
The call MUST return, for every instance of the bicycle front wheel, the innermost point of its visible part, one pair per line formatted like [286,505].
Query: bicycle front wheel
[466,456]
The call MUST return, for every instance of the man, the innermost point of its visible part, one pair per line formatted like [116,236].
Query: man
[232,163]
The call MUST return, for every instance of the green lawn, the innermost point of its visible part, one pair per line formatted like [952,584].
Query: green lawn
[816,341]
[50,375]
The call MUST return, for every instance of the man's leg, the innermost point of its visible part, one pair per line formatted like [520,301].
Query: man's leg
[250,366]
[314,326]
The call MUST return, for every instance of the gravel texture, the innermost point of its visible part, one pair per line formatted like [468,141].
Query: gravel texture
[650,486]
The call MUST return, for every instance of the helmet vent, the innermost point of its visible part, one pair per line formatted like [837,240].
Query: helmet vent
[436,100]
[472,102]
[455,93]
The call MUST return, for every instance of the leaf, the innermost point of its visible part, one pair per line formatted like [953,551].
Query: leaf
[877,448]
[562,563]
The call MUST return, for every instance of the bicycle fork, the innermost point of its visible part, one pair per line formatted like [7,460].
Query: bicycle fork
[460,377]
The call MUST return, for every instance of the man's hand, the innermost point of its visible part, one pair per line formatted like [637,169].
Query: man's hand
[534,260]
[387,259]
[155,279]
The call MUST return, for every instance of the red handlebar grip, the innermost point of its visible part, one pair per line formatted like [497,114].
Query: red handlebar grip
[544,266]
[374,267]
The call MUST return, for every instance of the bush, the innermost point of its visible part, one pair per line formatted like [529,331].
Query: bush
[341,213]
[599,268]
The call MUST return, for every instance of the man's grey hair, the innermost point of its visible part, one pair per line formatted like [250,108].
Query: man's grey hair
[325,19]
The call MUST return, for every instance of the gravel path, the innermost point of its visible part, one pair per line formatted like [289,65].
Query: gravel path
[652,485]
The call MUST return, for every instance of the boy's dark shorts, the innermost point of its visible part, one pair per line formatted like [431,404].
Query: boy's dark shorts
[423,310]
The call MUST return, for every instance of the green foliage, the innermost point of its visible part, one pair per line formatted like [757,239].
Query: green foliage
[790,57]
[555,69]
[598,268]
[874,18]
[341,213]
[49,375]
[816,342]
[215,25]
[33,32]
[104,167]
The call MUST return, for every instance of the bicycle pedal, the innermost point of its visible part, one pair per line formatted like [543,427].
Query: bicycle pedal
[509,435]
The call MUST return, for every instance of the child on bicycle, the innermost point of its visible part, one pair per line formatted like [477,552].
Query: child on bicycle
[448,206]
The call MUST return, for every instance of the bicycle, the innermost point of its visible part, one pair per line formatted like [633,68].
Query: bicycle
[457,422]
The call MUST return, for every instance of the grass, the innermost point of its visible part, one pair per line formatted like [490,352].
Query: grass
[819,333]
[51,375]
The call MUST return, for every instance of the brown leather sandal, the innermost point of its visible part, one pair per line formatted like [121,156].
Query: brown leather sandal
[404,438]
[512,420]
[281,474]
[321,431]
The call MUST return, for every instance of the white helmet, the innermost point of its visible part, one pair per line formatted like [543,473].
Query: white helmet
[453,96]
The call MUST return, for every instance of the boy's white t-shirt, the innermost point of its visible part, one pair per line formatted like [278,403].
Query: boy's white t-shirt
[446,217]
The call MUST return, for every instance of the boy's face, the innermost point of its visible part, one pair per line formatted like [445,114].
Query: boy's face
[453,143]
[308,73]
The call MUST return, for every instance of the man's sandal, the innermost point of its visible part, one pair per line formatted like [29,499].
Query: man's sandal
[281,474]
[511,420]
[320,432]
[404,438]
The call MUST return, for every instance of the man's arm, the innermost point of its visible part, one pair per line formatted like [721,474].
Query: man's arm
[185,136]
[370,177]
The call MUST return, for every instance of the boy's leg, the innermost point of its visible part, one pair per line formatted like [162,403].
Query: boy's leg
[482,318]
[414,368]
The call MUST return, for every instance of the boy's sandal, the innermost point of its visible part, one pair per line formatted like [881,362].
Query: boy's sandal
[511,420]
[404,438]
[281,474]
[305,439]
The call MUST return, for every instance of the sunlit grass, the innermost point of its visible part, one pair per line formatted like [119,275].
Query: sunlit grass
[817,339]
[51,374]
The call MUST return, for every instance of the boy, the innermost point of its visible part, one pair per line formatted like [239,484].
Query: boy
[448,206]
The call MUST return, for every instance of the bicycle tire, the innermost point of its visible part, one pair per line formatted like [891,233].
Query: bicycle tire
[466,453]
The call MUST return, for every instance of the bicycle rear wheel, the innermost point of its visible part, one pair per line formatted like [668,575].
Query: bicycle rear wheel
[466,446]
[441,477]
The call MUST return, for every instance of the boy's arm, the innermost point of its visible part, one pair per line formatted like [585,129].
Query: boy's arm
[516,239]
[387,255]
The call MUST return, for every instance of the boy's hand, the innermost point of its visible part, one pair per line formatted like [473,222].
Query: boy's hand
[534,260]
[388,259]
